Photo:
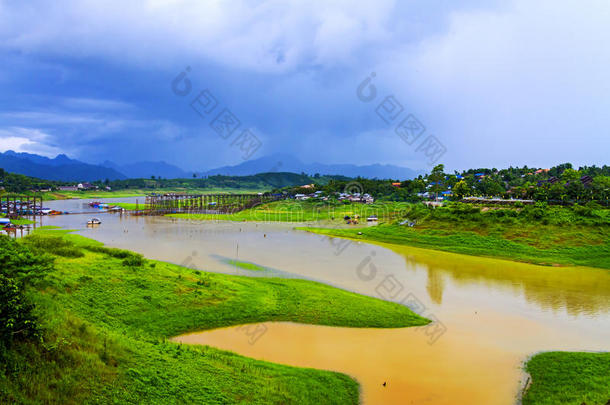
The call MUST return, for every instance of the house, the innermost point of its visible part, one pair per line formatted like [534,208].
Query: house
[367,199]
[300,197]
[68,188]
[86,186]
[396,184]
[586,180]
[445,195]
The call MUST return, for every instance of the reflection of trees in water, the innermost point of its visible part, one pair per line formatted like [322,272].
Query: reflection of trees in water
[577,290]
[435,285]
[436,281]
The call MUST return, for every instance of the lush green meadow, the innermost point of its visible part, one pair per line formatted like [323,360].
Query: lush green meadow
[309,211]
[106,315]
[547,236]
[568,378]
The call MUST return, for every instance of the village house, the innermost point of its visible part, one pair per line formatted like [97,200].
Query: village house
[86,186]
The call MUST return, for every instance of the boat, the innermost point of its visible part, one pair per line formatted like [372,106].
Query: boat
[94,221]
[372,218]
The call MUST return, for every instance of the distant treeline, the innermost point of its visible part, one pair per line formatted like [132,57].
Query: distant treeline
[18,183]
[561,184]
[269,181]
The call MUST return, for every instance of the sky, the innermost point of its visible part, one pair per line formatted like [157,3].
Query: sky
[202,84]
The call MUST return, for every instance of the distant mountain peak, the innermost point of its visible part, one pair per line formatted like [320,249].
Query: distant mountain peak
[283,162]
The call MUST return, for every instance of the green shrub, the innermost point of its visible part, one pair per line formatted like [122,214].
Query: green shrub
[582,211]
[56,245]
[129,258]
[16,320]
[134,261]
[20,263]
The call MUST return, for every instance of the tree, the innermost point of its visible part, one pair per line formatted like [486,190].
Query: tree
[461,189]
[20,263]
[436,178]
[20,267]
[570,175]
[17,323]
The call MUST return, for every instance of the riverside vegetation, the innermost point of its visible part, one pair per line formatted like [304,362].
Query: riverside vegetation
[539,234]
[83,323]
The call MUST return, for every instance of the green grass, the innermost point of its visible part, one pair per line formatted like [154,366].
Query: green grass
[246,265]
[539,235]
[107,322]
[20,221]
[566,378]
[130,206]
[308,211]
[471,243]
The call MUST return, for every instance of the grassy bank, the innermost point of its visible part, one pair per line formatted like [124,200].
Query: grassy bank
[106,315]
[308,211]
[19,221]
[546,236]
[568,378]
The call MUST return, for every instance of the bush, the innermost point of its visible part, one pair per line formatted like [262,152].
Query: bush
[16,320]
[20,263]
[582,211]
[134,261]
[129,258]
[54,244]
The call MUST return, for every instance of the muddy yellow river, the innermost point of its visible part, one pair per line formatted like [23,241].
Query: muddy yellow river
[489,315]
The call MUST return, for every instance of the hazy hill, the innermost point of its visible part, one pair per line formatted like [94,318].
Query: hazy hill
[60,168]
[289,163]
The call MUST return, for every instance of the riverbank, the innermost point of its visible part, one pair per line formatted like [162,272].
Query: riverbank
[309,211]
[566,236]
[107,314]
[568,378]
[554,236]
[567,252]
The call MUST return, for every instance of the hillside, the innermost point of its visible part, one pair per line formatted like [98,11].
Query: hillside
[60,168]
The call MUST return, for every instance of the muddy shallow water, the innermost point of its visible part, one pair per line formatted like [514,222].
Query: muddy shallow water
[490,315]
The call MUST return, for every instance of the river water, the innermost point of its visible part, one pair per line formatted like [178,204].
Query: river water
[489,315]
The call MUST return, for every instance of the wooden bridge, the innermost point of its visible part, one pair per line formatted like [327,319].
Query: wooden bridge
[15,206]
[204,203]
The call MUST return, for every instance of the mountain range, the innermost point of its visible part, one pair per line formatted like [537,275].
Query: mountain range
[60,168]
[63,168]
[289,163]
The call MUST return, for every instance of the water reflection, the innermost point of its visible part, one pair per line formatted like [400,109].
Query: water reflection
[577,290]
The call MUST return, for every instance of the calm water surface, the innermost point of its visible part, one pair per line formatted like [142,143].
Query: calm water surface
[490,315]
